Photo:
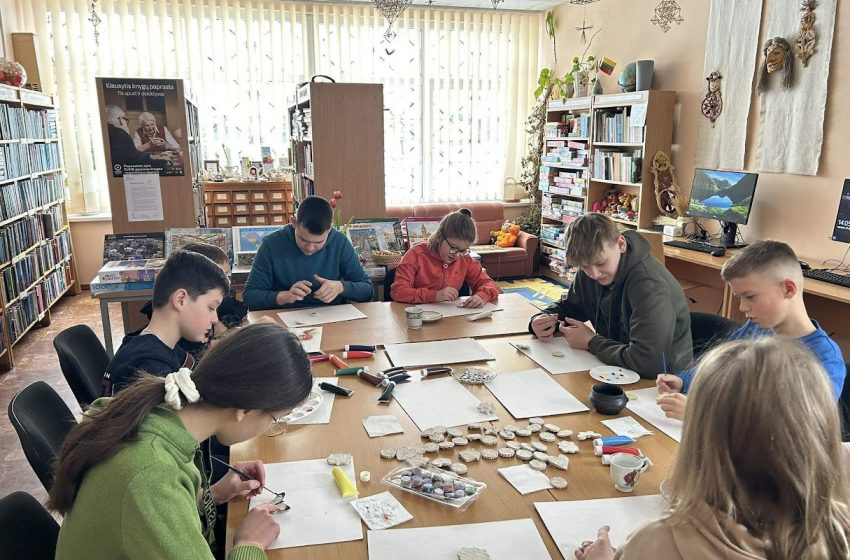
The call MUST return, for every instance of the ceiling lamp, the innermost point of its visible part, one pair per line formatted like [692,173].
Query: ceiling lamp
[391,9]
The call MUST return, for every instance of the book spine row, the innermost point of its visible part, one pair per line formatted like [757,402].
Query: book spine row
[12,122]
[41,123]
[618,166]
[44,157]
[22,196]
[19,236]
[13,161]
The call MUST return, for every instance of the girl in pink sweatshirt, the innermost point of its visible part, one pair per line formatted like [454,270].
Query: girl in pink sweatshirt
[435,271]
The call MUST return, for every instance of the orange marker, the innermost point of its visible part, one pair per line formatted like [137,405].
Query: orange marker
[339,364]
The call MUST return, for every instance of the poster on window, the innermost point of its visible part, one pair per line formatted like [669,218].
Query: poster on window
[145,122]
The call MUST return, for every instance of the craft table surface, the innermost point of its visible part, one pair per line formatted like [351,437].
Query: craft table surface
[587,477]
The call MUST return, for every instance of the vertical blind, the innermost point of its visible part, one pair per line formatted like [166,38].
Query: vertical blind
[457,84]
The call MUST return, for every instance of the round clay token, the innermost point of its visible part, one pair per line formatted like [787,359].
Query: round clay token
[548,437]
[472,554]
[459,468]
[431,447]
[539,446]
[565,433]
[506,435]
[535,428]
[557,353]
[441,462]
[524,454]
[437,438]
[474,426]
[489,440]
[489,454]
[537,465]
[406,453]
[439,430]
[506,452]
[337,459]
[470,455]
[446,444]
[523,432]
[551,428]
[474,437]
[558,482]
[535,420]
[511,427]
[388,453]
[426,434]
[513,445]
[540,456]
[568,447]
[455,432]
[460,440]
[527,446]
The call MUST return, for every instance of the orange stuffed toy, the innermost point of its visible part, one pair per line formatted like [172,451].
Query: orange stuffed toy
[508,236]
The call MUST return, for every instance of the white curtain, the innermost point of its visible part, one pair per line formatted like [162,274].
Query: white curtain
[457,83]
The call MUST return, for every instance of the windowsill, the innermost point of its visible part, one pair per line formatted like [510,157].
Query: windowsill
[96,217]
[520,204]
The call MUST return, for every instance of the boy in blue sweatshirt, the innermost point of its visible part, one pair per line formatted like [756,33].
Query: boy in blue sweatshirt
[767,278]
[306,263]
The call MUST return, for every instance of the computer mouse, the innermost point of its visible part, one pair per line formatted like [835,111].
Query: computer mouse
[719,252]
[804,265]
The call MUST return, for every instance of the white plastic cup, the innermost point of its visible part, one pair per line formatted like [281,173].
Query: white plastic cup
[414,316]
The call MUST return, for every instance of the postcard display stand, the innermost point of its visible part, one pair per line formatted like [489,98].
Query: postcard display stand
[249,203]
[37,264]
[182,194]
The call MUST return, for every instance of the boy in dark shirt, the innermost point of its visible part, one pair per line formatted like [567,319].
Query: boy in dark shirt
[186,294]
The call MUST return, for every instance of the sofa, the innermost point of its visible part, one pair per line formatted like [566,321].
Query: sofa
[518,261]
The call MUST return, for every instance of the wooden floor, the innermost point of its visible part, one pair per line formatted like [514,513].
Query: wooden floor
[36,360]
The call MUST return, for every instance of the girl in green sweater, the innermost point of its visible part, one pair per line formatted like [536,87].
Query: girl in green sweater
[129,478]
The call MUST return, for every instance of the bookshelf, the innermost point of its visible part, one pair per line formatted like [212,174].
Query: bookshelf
[37,264]
[337,142]
[250,203]
[619,159]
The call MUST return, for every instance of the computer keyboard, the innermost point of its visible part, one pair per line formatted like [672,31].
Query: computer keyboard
[826,276]
[697,246]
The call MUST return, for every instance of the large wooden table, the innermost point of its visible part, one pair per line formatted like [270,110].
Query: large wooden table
[587,477]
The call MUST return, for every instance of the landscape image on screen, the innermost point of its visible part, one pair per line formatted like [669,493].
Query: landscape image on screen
[722,195]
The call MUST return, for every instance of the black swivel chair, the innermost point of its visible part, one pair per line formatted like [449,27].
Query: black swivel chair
[707,330]
[26,529]
[83,361]
[42,420]
[389,278]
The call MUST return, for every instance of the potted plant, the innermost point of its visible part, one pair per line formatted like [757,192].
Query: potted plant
[579,74]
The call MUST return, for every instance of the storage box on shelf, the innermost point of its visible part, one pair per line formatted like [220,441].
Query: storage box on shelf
[37,265]
[251,203]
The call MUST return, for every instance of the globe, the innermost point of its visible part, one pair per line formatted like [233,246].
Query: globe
[627,78]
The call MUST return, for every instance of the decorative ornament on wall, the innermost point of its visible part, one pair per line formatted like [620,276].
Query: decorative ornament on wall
[712,104]
[95,21]
[584,29]
[667,12]
[778,56]
[391,9]
[804,46]
[667,195]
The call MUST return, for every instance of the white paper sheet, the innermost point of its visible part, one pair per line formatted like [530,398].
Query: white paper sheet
[645,407]
[310,337]
[503,540]
[384,425]
[451,308]
[321,415]
[525,479]
[626,426]
[320,315]
[144,200]
[573,360]
[533,393]
[439,402]
[437,352]
[572,522]
[319,515]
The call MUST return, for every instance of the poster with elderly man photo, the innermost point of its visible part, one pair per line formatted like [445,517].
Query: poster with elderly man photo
[145,120]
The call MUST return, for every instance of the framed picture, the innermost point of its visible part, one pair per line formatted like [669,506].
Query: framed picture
[211,166]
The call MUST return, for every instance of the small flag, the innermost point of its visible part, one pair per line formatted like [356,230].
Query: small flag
[607,65]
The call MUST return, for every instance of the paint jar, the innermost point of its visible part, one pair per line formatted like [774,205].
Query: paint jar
[414,316]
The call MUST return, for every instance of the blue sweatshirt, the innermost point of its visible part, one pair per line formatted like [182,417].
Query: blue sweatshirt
[824,349]
[280,263]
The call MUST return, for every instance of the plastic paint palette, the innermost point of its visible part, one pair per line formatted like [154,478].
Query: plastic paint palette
[307,407]
[614,375]
[431,316]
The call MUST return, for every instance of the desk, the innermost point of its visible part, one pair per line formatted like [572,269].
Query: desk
[588,478]
[118,297]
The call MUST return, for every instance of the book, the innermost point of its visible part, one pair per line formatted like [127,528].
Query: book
[98,287]
[130,271]
[133,246]
[418,230]
[247,239]
[369,235]
[175,238]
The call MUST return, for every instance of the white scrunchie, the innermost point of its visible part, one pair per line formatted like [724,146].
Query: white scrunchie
[178,382]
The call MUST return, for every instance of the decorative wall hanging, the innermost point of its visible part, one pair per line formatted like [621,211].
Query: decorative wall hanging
[584,29]
[95,21]
[712,104]
[778,57]
[667,12]
[667,195]
[733,31]
[804,46]
[391,9]
[496,3]
[791,130]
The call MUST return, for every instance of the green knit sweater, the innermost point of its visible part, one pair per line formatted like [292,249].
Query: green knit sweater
[143,501]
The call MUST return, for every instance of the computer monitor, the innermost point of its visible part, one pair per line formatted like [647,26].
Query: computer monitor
[841,231]
[726,196]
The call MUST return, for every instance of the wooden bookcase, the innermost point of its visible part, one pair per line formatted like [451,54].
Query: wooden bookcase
[250,203]
[640,146]
[37,264]
[337,142]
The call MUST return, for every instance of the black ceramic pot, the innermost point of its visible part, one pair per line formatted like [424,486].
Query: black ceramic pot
[608,399]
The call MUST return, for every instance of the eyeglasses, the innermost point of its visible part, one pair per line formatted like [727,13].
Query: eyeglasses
[456,250]
[276,428]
